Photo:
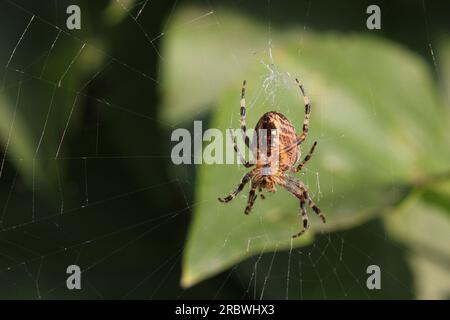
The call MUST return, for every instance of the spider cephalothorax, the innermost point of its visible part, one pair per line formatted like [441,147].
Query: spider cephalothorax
[277,151]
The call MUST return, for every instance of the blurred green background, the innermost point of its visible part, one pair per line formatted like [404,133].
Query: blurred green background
[86,177]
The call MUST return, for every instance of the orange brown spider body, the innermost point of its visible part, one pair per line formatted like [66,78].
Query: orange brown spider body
[277,152]
[284,138]
[273,155]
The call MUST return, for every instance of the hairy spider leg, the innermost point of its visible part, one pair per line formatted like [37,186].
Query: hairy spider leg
[251,198]
[313,206]
[241,185]
[307,103]
[246,164]
[243,110]
[306,159]
[304,216]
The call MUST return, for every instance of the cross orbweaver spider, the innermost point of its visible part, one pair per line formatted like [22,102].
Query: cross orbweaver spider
[271,168]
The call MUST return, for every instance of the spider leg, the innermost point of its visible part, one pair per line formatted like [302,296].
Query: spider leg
[241,185]
[302,137]
[298,189]
[243,110]
[313,206]
[261,193]
[251,199]
[306,159]
[304,218]
[246,164]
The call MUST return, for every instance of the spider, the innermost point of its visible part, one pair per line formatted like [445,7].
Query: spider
[271,168]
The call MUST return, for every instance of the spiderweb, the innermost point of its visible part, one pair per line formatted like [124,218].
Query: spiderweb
[126,240]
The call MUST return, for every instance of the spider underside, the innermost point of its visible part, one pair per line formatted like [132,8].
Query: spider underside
[271,167]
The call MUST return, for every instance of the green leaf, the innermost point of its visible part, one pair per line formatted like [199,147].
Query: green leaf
[443,69]
[378,120]
[422,223]
[439,195]
[16,139]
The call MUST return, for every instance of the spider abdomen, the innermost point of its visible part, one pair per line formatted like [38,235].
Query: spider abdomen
[276,134]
